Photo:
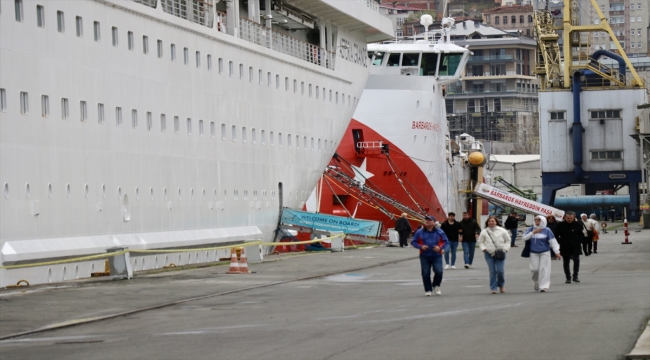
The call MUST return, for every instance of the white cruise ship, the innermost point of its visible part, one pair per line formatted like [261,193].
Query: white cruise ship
[153,124]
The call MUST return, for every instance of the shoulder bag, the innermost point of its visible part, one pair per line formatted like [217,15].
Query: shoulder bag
[499,254]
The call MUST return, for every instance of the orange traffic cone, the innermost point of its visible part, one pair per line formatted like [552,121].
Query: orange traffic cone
[234,265]
[243,262]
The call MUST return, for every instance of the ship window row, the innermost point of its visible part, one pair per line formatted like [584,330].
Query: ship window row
[333,97]
[314,144]
[68,191]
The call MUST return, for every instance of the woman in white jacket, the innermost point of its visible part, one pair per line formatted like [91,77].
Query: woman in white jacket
[541,241]
[491,239]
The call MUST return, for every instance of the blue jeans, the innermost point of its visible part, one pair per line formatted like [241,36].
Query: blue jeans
[496,268]
[513,235]
[468,251]
[427,262]
[453,247]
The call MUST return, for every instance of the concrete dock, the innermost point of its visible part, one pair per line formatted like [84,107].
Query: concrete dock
[363,303]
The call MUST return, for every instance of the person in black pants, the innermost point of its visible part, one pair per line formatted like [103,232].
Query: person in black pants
[512,222]
[570,237]
[403,228]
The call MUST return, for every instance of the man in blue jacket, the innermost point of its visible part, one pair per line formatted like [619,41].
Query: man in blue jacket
[432,242]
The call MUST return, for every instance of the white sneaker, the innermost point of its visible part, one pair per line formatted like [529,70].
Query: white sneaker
[453,267]
[471,267]
[446,267]
[437,289]
[428,293]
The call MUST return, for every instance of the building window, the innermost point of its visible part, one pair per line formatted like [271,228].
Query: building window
[65,109]
[80,26]
[220,66]
[198,59]
[189,126]
[268,79]
[145,44]
[209,62]
[83,110]
[277,81]
[186,56]
[177,125]
[129,40]
[100,113]
[40,16]
[96,30]
[521,19]
[213,130]
[513,19]
[163,123]
[45,106]
[24,103]
[60,21]
[201,128]
[505,20]
[3,100]
[149,121]
[118,116]
[241,71]
[605,114]
[496,20]
[286,83]
[530,19]
[607,155]
[231,68]
[160,49]
[114,35]
[134,118]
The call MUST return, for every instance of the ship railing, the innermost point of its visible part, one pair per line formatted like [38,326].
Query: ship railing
[277,41]
[149,3]
[369,147]
[197,11]
[221,22]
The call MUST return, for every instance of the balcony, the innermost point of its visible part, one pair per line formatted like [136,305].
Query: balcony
[482,59]
[472,93]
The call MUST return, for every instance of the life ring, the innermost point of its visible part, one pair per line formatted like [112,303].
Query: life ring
[603,225]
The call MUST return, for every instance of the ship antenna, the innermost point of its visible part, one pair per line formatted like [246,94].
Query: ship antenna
[426,20]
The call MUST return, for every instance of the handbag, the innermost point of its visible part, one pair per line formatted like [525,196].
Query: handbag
[499,254]
[526,251]
[590,233]
[596,237]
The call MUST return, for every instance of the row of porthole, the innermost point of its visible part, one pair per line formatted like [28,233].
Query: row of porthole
[151,192]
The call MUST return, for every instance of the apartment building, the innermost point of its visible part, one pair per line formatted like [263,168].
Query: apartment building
[511,18]
[496,100]
[397,13]
[629,20]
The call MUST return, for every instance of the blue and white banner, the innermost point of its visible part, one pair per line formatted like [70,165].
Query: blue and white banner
[330,222]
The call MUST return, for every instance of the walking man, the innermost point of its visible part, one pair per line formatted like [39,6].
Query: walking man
[403,228]
[569,234]
[451,227]
[512,223]
[432,242]
[469,233]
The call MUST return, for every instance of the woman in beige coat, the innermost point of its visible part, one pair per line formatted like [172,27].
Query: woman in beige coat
[491,239]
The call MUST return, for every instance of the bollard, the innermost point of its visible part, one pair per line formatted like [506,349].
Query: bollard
[626,232]
[120,265]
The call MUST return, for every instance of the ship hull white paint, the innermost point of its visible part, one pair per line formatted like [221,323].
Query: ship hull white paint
[74,178]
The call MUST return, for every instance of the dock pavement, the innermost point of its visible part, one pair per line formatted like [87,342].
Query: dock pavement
[365,303]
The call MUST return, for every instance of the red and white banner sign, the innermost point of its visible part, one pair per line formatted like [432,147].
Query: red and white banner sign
[516,201]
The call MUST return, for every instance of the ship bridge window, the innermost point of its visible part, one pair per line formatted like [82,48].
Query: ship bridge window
[114,34]
[378,59]
[186,56]
[145,44]
[80,26]
[24,103]
[3,100]
[213,130]
[189,126]
[45,105]
[160,48]
[96,30]
[65,109]
[410,59]
[209,62]
[393,59]
[60,21]
[129,40]
[428,65]
[449,64]
[163,122]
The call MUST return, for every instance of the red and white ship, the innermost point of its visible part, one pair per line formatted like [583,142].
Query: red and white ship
[398,144]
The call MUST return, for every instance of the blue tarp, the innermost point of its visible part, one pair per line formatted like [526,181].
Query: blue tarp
[330,222]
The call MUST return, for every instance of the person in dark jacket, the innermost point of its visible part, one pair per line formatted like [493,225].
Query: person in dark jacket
[432,242]
[403,228]
[570,237]
[451,227]
[470,230]
[551,223]
[512,223]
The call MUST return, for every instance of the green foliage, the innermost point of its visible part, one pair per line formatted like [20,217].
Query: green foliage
[416,15]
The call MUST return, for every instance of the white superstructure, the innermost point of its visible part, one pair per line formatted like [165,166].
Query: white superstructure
[167,123]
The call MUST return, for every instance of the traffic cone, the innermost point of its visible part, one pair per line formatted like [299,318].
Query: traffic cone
[234,265]
[243,262]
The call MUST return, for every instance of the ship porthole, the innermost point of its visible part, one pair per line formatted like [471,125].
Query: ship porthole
[203,191]
[214,193]
[103,190]
[76,271]
[192,194]
[49,191]
[67,189]
[137,193]
[6,191]
[65,272]
[27,190]
[86,190]
[155,262]
[119,193]
[49,275]
[143,267]
[151,193]
[179,194]
[165,193]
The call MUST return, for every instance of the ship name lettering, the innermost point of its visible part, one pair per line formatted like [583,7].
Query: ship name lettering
[425,125]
